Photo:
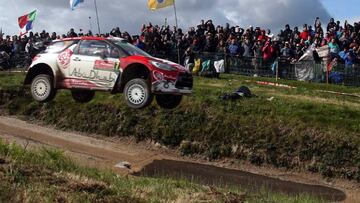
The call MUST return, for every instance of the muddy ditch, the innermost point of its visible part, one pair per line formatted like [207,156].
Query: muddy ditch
[211,175]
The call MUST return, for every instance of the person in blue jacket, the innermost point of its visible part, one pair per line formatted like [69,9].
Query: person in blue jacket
[349,57]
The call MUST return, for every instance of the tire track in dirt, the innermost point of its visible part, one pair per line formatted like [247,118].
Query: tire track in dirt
[107,153]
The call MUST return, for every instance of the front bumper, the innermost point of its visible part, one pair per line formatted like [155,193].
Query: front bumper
[182,85]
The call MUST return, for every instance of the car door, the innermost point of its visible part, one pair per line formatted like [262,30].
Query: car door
[94,65]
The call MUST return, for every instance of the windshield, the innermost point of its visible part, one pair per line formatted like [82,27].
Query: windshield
[129,48]
[56,47]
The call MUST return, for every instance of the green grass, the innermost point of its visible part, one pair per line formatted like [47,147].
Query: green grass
[8,80]
[300,128]
[46,175]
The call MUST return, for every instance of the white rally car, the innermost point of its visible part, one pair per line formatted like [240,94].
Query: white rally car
[88,64]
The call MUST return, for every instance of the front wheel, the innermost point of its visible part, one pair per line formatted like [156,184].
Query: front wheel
[138,94]
[42,88]
[168,101]
[82,96]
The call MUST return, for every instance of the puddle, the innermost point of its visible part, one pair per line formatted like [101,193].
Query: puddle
[211,175]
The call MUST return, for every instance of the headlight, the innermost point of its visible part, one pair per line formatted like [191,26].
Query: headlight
[163,66]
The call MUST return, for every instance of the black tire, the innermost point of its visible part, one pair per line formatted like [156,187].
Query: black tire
[245,90]
[168,101]
[82,96]
[42,88]
[138,94]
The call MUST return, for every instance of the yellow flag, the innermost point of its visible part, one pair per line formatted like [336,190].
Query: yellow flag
[156,4]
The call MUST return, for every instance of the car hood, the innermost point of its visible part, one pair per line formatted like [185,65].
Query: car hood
[147,60]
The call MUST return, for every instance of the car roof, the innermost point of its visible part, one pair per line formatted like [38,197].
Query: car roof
[88,38]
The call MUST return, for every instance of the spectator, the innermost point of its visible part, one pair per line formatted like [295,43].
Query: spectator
[349,57]
[287,52]
[331,25]
[247,47]
[334,48]
[221,48]
[317,23]
[262,37]
[139,44]
[257,49]
[189,59]
[299,52]
[71,33]
[210,45]
[115,32]
[287,34]
[305,33]
[234,48]
[206,37]
[267,51]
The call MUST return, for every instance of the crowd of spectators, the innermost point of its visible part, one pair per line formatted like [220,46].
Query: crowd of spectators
[290,44]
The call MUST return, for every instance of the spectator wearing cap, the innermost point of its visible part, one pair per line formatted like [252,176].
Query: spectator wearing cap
[287,52]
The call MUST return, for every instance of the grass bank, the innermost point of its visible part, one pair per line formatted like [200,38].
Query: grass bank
[46,175]
[300,128]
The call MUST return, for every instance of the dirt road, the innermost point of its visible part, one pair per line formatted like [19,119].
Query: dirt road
[88,150]
[144,159]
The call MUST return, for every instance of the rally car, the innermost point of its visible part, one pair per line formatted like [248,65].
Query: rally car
[88,64]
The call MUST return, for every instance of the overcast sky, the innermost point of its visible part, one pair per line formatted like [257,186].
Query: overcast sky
[55,15]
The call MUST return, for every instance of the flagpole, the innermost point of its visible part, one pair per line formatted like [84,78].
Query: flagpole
[176,32]
[97,17]
[176,20]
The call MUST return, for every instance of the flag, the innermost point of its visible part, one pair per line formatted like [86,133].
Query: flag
[26,22]
[75,3]
[157,4]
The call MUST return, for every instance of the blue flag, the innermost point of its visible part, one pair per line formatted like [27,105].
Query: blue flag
[75,3]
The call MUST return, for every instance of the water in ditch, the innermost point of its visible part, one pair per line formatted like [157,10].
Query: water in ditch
[211,175]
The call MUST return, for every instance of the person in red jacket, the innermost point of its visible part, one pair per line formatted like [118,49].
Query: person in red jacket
[305,33]
[262,37]
[268,51]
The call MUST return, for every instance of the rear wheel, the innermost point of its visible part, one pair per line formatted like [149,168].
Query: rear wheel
[82,96]
[168,101]
[42,88]
[138,94]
